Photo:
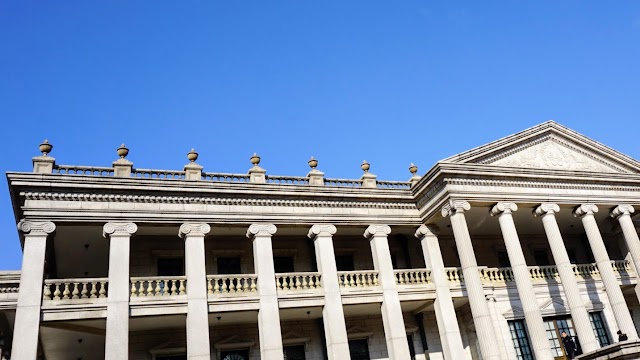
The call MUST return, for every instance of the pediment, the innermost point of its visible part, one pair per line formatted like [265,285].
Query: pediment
[234,342]
[169,347]
[291,338]
[550,146]
[356,332]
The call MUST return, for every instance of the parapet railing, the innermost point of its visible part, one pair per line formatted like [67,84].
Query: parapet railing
[9,282]
[358,278]
[343,182]
[287,180]
[83,170]
[298,281]
[237,283]
[412,276]
[224,177]
[71,289]
[158,286]
[158,174]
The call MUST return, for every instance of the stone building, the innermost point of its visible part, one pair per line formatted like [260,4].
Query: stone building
[489,255]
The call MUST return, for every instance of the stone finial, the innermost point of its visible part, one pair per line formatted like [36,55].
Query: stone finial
[369,180]
[119,229]
[192,171]
[313,163]
[122,151]
[38,228]
[316,177]
[377,230]
[546,209]
[44,163]
[503,208]
[256,173]
[193,229]
[621,210]
[261,230]
[255,159]
[585,209]
[427,230]
[413,169]
[321,230]
[192,155]
[45,147]
[455,206]
[365,166]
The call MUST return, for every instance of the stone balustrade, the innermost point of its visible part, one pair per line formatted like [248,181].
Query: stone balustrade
[543,273]
[343,182]
[412,276]
[287,180]
[494,275]
[83,170]
[225,284]
[298,281]
[454,274]
[358,278]
[158,286]
[9,282]
[158,174]
[224,177]
[585,270]
[71,289]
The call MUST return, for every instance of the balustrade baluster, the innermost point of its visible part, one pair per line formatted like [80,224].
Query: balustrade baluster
[56,291]
[253,284]
[103,289]
[83,294]
[66,292]
[245,285]
[182,289]
[94,292]
[75,292]
[174,288]
[46,292]
[134,291]
[305,283]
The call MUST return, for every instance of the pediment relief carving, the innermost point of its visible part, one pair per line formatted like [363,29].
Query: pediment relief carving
[234,342]
[357,332]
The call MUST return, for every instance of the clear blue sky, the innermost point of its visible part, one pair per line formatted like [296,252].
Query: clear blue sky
[389,82]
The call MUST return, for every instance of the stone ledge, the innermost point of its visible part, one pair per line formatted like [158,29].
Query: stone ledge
[626,350]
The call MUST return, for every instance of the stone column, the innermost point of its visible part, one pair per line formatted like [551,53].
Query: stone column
[198,347]
[117,338]
[575,302]
[269,313]
[27,321]
[479,309]
[623,214]
[335,328]
[614,293]
[392,319]
[445,312]
[530,307]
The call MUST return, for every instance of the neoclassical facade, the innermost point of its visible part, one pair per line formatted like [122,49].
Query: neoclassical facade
[489,255]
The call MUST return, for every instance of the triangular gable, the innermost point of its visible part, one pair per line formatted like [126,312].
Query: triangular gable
[549,146]
[291,338]
[356,332]
[168,348]
[234,342]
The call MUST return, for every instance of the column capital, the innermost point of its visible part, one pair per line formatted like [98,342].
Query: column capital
[620,210]
[585,209]
[503,208]
[546,209]
[321,230]
[193,229]
[119,229]
[261,230]
[427,230]
[455,206]
[377,230]
[41,228]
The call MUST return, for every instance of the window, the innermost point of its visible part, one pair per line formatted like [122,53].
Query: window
[520,340]
[359,349]
[235,355]
[503,259]
[344,262]
[170,266]
[598,327]
[554,328]
[229,265]
[412,350]
[541,257]
[283,264]
[294,352]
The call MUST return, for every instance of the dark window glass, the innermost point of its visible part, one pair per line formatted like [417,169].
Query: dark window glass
[229,265]
[520,340]
[235,355]
[170,267]
[412,350]
[283,264]
[344,262]
[294,352]
[503,259]
[598,327]
[541,257]
[359,349]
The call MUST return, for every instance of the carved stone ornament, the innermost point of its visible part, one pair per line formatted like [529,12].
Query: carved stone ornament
[621,210]
[427,230]
[454,206]
[546,209]
[41,228]
[193,229]
[321,230]
[119,229]
[259,230]
[503,208]
[377,230]
[585,209]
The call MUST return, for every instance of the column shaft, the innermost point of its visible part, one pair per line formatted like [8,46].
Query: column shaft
[609,279]
[392,319]
[335,328]
[445,312]
[117,335]
[579,313]
[479,309]
[269,314]
[198,346]
[27,321]
[623,214]
[530,307]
